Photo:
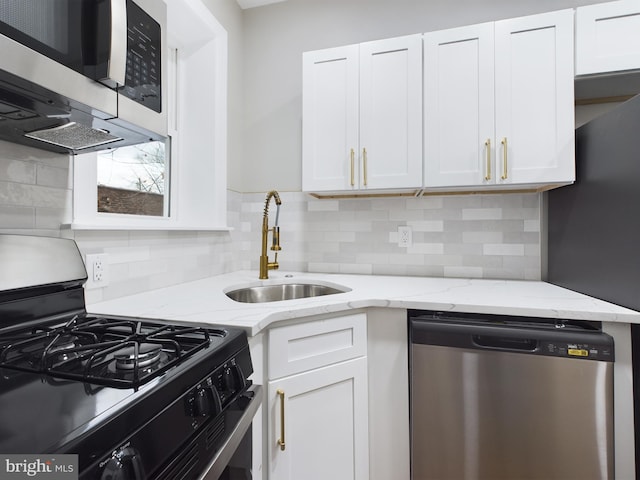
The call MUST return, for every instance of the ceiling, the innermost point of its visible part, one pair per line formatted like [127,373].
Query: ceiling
[244,4]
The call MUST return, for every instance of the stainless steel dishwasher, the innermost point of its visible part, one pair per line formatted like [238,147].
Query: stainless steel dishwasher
[512,398]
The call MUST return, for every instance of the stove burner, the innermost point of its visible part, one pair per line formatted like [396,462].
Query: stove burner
[115,352]
[148,354]
[62,348]
[62,343]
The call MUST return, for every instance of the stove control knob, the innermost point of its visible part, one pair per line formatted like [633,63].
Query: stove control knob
[202,403]
[206,402]
[124,464]
[233,378]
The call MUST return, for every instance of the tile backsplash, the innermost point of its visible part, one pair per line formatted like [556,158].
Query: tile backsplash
[35,189]
[480,236]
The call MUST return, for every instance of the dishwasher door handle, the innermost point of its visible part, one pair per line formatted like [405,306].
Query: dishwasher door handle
[495,342]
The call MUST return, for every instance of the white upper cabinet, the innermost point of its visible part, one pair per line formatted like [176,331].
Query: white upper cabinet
[535,124]
[391,113]
[499,104]
[362,116]
[608,37]
[459,107]
[330,118]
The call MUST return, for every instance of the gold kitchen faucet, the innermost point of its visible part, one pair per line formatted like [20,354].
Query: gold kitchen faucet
[265,265]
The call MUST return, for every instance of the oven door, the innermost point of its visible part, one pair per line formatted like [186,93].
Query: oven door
[222,451]
[79,34]
[232,460]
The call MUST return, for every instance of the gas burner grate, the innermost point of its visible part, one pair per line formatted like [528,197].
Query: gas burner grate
[121,353]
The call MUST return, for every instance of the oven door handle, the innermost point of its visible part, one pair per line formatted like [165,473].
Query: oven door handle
[222,457]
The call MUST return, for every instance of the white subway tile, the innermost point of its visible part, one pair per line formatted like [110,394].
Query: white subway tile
[503,249]
[481,213]
[482,237]
[52,217]
[12,217]
[532,225]
[17,171]
[323,206]
[427,225]
[53,177]
[462,272]
[426,248]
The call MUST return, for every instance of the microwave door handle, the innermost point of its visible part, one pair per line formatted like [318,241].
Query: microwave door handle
[117,67]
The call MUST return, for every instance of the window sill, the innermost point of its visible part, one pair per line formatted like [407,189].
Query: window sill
[156,227]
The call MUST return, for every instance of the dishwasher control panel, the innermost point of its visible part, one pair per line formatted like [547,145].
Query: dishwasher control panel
[590,351]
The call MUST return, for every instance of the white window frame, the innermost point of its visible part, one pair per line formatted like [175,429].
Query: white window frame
[197,124]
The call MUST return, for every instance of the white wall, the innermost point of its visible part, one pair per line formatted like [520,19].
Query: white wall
[275,37]
[230,16]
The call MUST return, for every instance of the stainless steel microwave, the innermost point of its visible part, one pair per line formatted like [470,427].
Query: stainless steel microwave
[82,75]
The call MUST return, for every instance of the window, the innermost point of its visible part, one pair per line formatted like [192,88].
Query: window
[188,189]
[133,180]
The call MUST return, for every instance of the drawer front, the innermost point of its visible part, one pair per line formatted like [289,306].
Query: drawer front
[308,345]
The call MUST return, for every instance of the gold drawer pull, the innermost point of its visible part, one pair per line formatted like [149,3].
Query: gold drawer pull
[364,165]
[353,182]
[281,439]
[505,170]
[487,145]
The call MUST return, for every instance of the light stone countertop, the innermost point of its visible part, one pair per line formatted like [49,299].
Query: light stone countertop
[204,301]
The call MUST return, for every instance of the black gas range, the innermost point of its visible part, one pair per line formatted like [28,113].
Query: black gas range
[133,398]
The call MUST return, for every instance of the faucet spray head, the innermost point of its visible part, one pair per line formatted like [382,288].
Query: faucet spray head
[275,243]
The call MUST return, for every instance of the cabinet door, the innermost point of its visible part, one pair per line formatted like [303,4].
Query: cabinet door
[325,424]
[330,119]
[534,99]
[608,37]
[391,113]
[459,106]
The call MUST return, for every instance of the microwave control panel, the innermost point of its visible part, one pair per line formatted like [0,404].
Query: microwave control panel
[143,74]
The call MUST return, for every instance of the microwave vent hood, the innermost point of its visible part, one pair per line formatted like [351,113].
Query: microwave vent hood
[73,136]
[34,116]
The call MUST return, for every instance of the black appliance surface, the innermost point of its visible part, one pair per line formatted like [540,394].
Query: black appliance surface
[594,225]
[67,31]
[142,78]
[133,398]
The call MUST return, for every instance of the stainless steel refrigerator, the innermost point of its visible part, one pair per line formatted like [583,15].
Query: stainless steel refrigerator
[594,225]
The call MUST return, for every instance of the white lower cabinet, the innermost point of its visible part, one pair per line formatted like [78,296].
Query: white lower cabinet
[323,433]
[317,400]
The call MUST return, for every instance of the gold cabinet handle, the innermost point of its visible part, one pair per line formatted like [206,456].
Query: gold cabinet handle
[505,171]
[364,165]
[353,182]
[487,145]
[281,439]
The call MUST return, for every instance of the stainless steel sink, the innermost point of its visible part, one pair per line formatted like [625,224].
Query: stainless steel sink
[280,292]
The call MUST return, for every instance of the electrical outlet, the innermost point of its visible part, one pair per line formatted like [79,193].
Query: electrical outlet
[97,270]
[404,236]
